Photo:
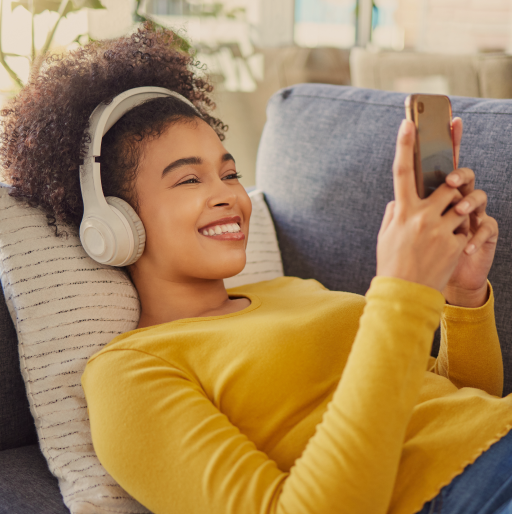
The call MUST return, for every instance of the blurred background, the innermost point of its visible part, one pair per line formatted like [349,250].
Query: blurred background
[252,48]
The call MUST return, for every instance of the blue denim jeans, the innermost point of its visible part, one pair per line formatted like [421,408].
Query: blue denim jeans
[484,487]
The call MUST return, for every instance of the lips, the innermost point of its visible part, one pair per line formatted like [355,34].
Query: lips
[222,221]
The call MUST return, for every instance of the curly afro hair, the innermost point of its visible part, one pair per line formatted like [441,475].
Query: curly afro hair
[42,128]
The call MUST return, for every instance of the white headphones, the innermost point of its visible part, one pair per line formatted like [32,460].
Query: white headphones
[111,232]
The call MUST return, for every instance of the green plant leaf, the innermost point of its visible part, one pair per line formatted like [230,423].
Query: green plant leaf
[53,5]
[90,4]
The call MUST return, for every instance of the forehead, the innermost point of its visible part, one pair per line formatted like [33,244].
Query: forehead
[184,137]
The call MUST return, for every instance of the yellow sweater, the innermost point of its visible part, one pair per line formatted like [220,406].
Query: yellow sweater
[308,401]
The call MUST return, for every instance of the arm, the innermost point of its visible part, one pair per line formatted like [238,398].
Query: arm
[470,353]
[161,438]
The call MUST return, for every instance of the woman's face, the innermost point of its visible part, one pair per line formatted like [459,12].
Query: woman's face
[186,182]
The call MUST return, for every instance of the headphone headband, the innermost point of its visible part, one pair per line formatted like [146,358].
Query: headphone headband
[105,115]
[111,231]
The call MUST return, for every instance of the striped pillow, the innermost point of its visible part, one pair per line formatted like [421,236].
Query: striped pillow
[66,307]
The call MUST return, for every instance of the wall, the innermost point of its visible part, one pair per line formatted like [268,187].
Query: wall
[456,26]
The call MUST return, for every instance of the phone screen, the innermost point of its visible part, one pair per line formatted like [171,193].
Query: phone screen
[434,158]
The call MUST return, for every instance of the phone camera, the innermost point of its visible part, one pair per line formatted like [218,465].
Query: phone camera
[421,107]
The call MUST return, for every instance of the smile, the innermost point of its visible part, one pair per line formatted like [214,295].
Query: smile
[228,228]
[224,229]
[225,232]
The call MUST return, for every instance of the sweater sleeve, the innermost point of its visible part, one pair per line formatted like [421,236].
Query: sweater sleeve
[161,438]
[470,352]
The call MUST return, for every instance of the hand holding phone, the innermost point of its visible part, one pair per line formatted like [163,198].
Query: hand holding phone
[434,149]
[420,239]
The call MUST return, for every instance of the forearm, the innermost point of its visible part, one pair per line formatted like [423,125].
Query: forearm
[470,353]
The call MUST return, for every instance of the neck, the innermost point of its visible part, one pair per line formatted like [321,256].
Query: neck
[163,300]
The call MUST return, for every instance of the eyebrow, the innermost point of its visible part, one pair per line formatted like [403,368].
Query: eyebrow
[181,162]
[227,157]
[187,161]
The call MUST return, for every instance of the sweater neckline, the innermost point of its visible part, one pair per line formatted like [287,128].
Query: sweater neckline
[255,303]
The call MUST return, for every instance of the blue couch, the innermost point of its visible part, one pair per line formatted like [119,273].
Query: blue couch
[324,163]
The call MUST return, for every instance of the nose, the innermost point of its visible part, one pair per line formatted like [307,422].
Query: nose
[222,195]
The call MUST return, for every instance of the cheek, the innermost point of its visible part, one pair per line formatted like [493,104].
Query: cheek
[246,205]
[170,219]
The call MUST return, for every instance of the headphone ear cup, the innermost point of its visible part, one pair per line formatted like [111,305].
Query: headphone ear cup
[139,233]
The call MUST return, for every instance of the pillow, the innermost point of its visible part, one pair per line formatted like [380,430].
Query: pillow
[65,308]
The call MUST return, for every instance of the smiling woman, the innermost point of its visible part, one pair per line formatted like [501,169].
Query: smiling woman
[164,157]
[198,189]
[278,396]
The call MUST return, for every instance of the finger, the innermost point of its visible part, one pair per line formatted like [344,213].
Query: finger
[487,233]
[462,241]
[463,179]
[475,202]
[456,223]
[404,182]
[457,128]
[443,197]
[388,216]
[465,228]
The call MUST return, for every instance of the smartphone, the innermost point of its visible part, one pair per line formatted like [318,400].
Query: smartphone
[434,153]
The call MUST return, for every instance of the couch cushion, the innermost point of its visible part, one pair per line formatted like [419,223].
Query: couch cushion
[26,484]
[324,163]
[17,426]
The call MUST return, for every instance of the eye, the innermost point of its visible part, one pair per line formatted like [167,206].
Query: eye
[233,176]
[188,181]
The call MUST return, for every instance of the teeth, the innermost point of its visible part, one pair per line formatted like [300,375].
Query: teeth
[221,229]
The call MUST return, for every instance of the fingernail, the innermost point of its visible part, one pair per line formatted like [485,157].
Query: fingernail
[463,207]
[455,179]
[470,249]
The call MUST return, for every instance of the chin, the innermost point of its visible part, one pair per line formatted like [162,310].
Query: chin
[229,275]
[227,271]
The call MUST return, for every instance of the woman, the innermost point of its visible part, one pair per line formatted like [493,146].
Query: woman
[281,396]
